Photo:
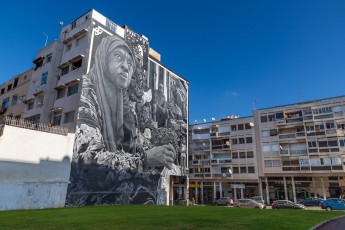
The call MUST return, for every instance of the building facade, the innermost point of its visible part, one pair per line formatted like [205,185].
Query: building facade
[128,111]
[223,160]
[13,95]
[301,149]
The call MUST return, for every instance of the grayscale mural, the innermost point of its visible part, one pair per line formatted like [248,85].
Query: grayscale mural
[132,125]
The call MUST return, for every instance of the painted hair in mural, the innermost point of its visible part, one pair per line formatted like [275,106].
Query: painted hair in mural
[131,129]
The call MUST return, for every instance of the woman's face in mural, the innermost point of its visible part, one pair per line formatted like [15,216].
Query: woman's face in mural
[121,66]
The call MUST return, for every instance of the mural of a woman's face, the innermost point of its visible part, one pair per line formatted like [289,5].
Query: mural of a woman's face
[120,66]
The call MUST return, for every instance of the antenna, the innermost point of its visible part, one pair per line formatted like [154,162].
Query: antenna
[46,39]
[255,101]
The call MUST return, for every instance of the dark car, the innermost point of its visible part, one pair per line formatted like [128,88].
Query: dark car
[286,204]
[312,201]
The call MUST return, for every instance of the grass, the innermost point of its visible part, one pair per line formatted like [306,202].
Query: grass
[163,217]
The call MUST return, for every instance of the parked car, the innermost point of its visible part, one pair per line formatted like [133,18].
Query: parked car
[183,202]
[333,204]
[312,201]
[248,203]
[224,201]
[286,204]
[258,199]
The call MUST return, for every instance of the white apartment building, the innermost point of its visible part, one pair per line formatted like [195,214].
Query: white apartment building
[223,160]
[301,149]
[156,104]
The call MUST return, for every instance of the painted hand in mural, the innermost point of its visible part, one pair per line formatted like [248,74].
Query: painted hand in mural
[161,156]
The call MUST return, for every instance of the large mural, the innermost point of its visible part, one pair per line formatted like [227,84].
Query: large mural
[132,125]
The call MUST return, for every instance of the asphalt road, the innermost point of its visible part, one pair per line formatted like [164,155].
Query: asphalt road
[335,224]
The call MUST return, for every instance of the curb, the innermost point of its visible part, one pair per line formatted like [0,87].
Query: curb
[325,222]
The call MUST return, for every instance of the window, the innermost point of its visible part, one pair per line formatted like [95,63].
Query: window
[251,169]
[247,126]
[69,117]
[235,155]
[49,58]
[234,141]
[263,119]
[201,131]
[14,99]
[5,104]
[312,144]
[235,170]
[323,144]
[273,132]
[304,162]
[2,91]
[265,133]
[68,47]
[250,154]
[342,143]
[9,87]
[332,143]
[44,78]
[249,140]
[60,93]
[224,170]
[271,117]
[77,64]
[276,163]
[280,115]
[268,164]
[233,128]
[15,82]
[241,140]
[243,169]
[30,105]
[242,155]
[64,70]
[77,42]
[330,125]
[57,118]
[73,25]
[240,127]
[73,89]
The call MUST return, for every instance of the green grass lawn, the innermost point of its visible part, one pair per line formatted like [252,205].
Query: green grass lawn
[163,217]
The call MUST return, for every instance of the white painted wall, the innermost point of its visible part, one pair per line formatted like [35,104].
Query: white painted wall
[34,168]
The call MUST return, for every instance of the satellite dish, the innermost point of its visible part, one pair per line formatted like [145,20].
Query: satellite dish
[230,171]
[196,121]
[204,120]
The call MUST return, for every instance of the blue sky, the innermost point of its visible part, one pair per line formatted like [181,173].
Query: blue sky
[236,54]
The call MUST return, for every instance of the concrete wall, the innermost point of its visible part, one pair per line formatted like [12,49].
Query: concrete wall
[34,168]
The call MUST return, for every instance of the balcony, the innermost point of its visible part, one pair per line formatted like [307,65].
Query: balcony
[221,147]
[221,175]
[73,75]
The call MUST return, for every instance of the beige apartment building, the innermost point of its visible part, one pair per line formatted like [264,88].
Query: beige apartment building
[301,149]
[223,160]
[13,95]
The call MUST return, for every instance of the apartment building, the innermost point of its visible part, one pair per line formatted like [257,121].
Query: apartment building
[301,149]
[13,95]
[151,110]
[223,160]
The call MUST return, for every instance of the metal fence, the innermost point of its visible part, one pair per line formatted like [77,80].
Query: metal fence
[21,123]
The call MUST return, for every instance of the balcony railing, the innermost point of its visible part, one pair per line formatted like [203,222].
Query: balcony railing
[25,124]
